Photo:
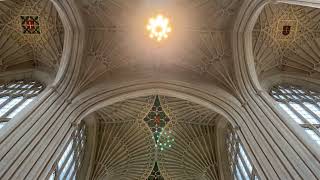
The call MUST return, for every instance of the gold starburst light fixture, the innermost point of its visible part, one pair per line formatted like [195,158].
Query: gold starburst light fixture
[158,27]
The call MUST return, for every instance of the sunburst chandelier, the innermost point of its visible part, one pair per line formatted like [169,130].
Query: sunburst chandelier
[158,27]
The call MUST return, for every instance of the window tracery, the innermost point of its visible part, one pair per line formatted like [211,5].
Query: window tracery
[15,96]
[302,105]
[240,165]
[70,160]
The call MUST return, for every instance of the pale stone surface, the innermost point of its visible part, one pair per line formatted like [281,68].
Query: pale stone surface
[211,62]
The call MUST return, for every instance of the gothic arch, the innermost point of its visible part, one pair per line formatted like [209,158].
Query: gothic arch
[29,149]
[11,136]
[250,86]
[243,37]
[310,83]
[218,101]
[73,41]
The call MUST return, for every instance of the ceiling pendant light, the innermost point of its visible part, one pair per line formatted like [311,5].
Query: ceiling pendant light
[158,28]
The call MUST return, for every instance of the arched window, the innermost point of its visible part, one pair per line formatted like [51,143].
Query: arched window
[70,160]
[16,95]
[302,105]
[240,165]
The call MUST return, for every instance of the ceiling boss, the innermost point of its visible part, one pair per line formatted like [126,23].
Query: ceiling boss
[158,27]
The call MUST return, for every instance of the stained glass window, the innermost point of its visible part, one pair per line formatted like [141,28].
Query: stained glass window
[240,165]
[302,106]
[15,96]
[70,160]
[157,121]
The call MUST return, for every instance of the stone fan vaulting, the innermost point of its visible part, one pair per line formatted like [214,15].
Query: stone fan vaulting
[31,36]
[286,38]
[98,60]
[202,26]
[156,137]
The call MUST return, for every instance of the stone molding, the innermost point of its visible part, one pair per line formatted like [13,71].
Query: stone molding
[35,138]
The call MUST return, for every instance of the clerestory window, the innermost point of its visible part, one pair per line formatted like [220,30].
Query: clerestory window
[70,161]
[240,164]
[302,105]
[15,96]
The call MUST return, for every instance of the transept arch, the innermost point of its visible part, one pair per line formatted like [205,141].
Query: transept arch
[30,148]
[247,76]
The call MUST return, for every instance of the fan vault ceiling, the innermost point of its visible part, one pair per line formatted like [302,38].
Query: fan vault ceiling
[36,42]
[198,47]
[286,39]
[126,148]
[292,50]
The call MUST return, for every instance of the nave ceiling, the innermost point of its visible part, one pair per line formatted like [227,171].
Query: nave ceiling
[126,142]
[198,47]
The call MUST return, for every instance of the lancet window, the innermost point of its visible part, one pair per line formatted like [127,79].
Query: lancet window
[240,164]
[70,160]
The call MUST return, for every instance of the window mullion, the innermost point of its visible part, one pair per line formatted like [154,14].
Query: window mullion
[65,160]
[240,170]
[4,119]
[69,168]
[14,94]
[77,149]
[310,112]
[237,157]
[303,107]
[14,107]
[79,159]
[70,159]
[6,102]
[297,113]
[244,164]
[310,125]
[317,106]
[74,172]
[238,173]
